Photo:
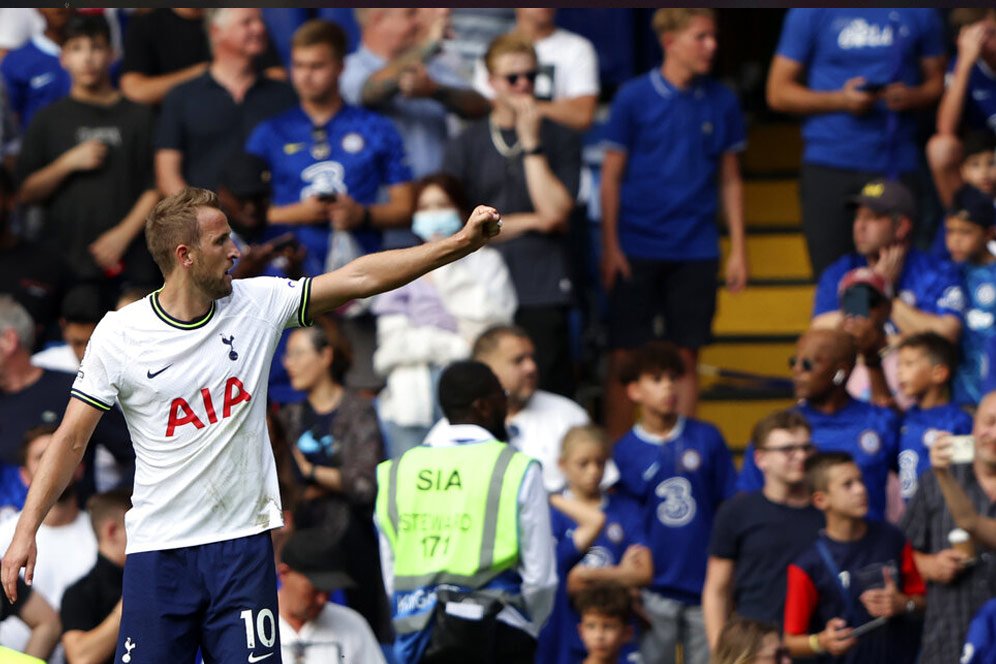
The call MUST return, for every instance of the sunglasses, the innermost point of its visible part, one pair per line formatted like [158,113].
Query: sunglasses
[528,75]
[805,448]
[804,362]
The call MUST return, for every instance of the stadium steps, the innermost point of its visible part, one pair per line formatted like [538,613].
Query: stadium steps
[744,373]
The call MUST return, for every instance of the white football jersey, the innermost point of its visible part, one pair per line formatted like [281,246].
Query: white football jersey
[194,396]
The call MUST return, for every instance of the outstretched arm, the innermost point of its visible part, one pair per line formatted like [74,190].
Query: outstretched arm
[57,465]
[387,270]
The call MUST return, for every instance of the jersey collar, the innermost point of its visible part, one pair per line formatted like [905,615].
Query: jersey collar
[176,322]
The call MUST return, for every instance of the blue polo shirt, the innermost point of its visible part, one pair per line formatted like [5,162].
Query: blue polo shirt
[673,140]
[868,433]
[559,642]
[977,332]
[884,45]
[680,481]
[34,77]
[979,109]
[918,431]
[926,283]
[363,153]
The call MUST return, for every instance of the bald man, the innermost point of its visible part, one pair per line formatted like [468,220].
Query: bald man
[822,363]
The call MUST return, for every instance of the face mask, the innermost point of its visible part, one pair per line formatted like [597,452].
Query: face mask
[429,223]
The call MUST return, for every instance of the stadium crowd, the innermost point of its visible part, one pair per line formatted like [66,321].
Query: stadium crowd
[449,489]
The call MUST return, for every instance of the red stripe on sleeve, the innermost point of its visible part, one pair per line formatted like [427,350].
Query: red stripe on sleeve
[912,581]
[801,598]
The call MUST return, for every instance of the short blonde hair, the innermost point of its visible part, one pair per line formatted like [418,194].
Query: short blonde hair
[319,32]
[174,222]
[509,42]
[674,19]
[587,433]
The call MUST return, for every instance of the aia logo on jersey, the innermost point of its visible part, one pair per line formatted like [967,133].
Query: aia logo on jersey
[181,412]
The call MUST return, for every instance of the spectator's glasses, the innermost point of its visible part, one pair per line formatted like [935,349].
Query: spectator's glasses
[787,450]
[804,362]
[528,75]
[320,148]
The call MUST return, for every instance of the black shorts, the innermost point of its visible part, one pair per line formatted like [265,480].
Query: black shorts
[673,300]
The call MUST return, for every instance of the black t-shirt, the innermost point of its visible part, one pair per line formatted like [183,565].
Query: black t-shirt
[316,441]
[86,603]
[162,42]
[36,278]
[762,538]
[536,262]
[200,119]
[87,203]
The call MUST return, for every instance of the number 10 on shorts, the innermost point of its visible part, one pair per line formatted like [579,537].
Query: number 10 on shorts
[265,627]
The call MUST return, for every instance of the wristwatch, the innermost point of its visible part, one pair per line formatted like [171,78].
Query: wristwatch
[535,151]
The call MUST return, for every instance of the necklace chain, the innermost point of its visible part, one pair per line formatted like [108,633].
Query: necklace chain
[504,149]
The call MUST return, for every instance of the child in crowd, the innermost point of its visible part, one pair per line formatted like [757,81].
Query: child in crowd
[926,364]
[600,538]
[746,641]
[978,169]
[969,226]
[679,470]
[857,571]
[605,625]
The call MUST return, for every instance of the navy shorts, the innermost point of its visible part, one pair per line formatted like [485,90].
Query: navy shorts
[673,300]
[219,597]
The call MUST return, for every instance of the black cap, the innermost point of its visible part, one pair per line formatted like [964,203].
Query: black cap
[309,552]
[886,197]
[978,141]
[246,176]
[972,205]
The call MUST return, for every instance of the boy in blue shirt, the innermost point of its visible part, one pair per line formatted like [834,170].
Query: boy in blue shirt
[969,227]
[680,470]
[925,367]
[600,538]
[978,168]
[672,144]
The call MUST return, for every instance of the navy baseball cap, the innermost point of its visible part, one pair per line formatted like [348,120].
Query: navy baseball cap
[886,197]
[324,564]
[972,205]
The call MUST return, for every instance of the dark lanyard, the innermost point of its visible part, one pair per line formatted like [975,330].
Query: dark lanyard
[831,566]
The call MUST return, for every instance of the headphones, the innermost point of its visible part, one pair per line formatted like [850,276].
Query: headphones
[838,378]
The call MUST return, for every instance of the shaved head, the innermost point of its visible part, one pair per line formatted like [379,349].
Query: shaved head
[837,344]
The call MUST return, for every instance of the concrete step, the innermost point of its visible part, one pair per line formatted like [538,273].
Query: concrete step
[736,417]
[772,203]
[765,358]
[774,148]
[774,256]
[764,310]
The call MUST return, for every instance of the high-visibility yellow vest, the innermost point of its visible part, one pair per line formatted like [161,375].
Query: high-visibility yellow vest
[450,514]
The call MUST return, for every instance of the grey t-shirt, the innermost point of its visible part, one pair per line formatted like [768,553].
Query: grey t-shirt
[537,262]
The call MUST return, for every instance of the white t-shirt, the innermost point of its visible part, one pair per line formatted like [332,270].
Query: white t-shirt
[337,634]
[18,25]
[194,397]
[65,555]
[568,67]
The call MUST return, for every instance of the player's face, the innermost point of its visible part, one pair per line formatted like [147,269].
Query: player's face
[813,367]
[583,466]
[913,371]
[693,47]
[513,76]
[215,254]
[306,366]
[242,30]
[657,392]
[603,636]
[512,362]
[315,72]
[979,170]
[87,60]
[872,231]
[783,457]
[965,241]
[846,492]
[984,430]
[300,598]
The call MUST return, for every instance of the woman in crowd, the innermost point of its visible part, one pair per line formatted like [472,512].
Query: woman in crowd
[744,641]
[434,320]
